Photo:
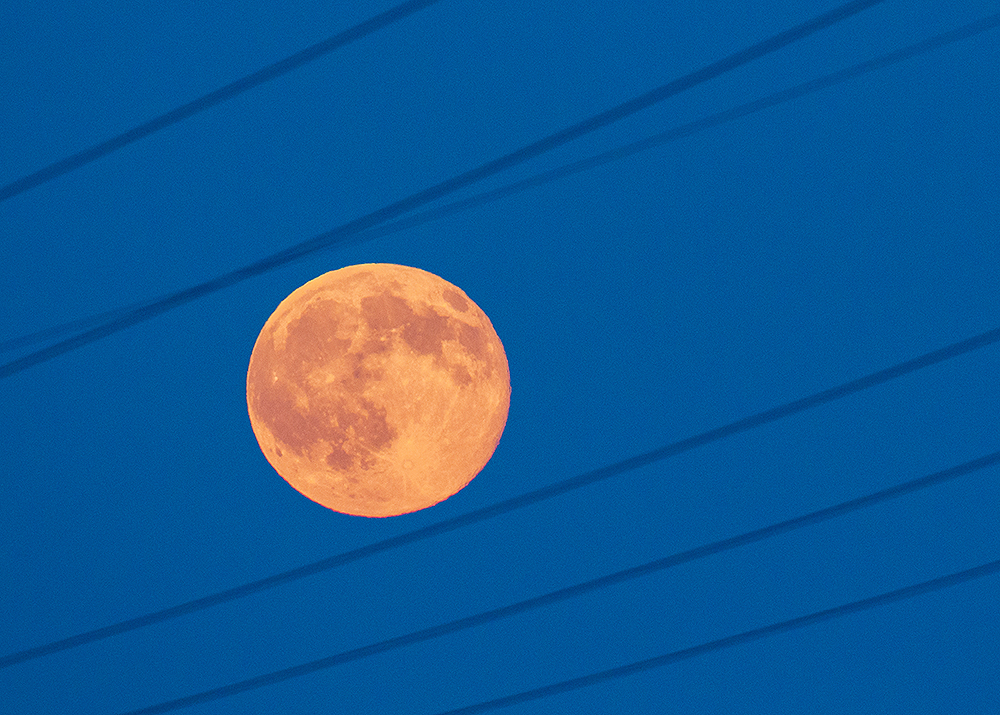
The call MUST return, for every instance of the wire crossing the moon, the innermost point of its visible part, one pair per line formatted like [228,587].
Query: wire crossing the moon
[552,490]
[212,99]
[447,187]
[564,594]
[421,218]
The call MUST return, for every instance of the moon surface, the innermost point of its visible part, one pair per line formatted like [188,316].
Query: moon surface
[378,390]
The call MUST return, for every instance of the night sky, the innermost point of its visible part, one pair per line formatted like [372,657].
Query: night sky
[640,302]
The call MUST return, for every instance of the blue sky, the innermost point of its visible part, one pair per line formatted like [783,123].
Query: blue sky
[641,302]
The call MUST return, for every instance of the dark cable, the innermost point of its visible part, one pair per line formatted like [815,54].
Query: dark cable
[919,589]
[508,505]
[579,589]
[622,152]
[443,188]
[481,199]
[233,89]
[46,334]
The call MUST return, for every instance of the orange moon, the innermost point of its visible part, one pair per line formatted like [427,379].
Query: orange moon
[378,390]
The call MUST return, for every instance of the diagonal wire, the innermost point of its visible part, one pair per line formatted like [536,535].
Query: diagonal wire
[945,38]
[508,505]
[72,326]
[218,96]
[545,177]
[579,589]
[444,188]
[918,589]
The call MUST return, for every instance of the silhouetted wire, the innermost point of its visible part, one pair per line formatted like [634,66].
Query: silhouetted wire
[954,350]
[579,589]
[233,89]
[481,199]
[45,334]
[444,188]
[919,589]
[523,500]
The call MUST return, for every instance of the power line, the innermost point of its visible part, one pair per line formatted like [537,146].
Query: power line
[218,96]
[41,336]
[919,589]
[481,199]
[579,589]
[715,645]
[508,505]
[959,348]
[444,188]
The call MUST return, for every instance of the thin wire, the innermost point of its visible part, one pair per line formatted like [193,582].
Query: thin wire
[934,357]
[579,589]
[919,589]
[562,594]
[444,188]
[552,490]
[546,177]
[46,334]
[216,97]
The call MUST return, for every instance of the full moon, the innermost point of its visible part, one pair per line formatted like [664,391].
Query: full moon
[378,390]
